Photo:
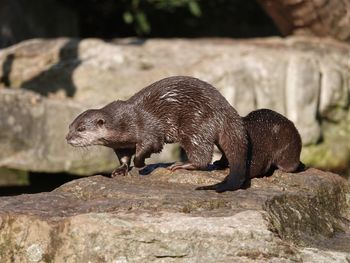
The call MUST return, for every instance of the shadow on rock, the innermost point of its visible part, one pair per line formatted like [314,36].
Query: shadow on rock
[60,75]
[38,182]
[6,70]
[151,167]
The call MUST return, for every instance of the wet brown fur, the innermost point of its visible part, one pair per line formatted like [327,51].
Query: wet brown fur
[175,109]
[274,142]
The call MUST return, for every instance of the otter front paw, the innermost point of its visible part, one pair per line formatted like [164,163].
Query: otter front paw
[120,171]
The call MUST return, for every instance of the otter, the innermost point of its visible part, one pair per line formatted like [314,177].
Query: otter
[274,142]
[175,109]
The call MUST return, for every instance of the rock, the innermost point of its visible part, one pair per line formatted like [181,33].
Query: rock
[9,177]
[302,99]
[161,218]
[33,130]
[33,135]
[306,79]
[334,98]
[333,152]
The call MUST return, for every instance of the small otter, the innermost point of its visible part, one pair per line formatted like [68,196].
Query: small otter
[274,142]
[175,109]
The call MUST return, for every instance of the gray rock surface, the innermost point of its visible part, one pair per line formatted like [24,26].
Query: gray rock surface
[306,79]
[302,96]
[32,136]
[161,218]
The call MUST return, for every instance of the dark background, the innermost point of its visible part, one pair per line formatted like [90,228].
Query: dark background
[229,18]
[107,19]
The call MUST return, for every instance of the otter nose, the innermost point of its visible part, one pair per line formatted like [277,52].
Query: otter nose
[68,137]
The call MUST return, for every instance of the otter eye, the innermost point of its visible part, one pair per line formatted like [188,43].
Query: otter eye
[80,129]
[100,122]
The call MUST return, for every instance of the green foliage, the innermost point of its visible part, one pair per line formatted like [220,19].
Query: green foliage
[136,11]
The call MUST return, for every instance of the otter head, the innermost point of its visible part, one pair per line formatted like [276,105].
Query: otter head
[89,128]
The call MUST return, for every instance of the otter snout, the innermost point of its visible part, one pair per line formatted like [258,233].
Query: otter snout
[74,142]
[72,139]
[82,139]
[69,138]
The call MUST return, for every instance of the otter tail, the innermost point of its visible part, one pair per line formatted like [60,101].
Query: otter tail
[234,181]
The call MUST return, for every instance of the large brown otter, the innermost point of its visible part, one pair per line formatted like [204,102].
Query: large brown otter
[274,142]
[175,109]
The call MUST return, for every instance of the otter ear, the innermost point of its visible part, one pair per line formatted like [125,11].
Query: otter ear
[101,122]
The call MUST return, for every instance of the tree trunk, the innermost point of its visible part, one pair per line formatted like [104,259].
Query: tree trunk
[324,18]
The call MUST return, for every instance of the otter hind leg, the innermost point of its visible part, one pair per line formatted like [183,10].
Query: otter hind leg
[288,164]
[183,165]
[235,147]
[199,156]
[288,158]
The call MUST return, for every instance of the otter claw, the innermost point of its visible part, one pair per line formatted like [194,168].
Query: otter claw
[120,171]
[185,165]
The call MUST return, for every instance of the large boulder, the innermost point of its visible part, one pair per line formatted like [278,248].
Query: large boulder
[32,136]
[306,79]
[159,217]
[33,132]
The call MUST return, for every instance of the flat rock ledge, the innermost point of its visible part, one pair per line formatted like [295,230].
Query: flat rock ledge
[159,217]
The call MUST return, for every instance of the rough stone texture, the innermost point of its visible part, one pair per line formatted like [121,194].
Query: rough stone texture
[161,218]
[302,91]
[10,177]
[32,136]
[306,79]
[333,152]
[311,17]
